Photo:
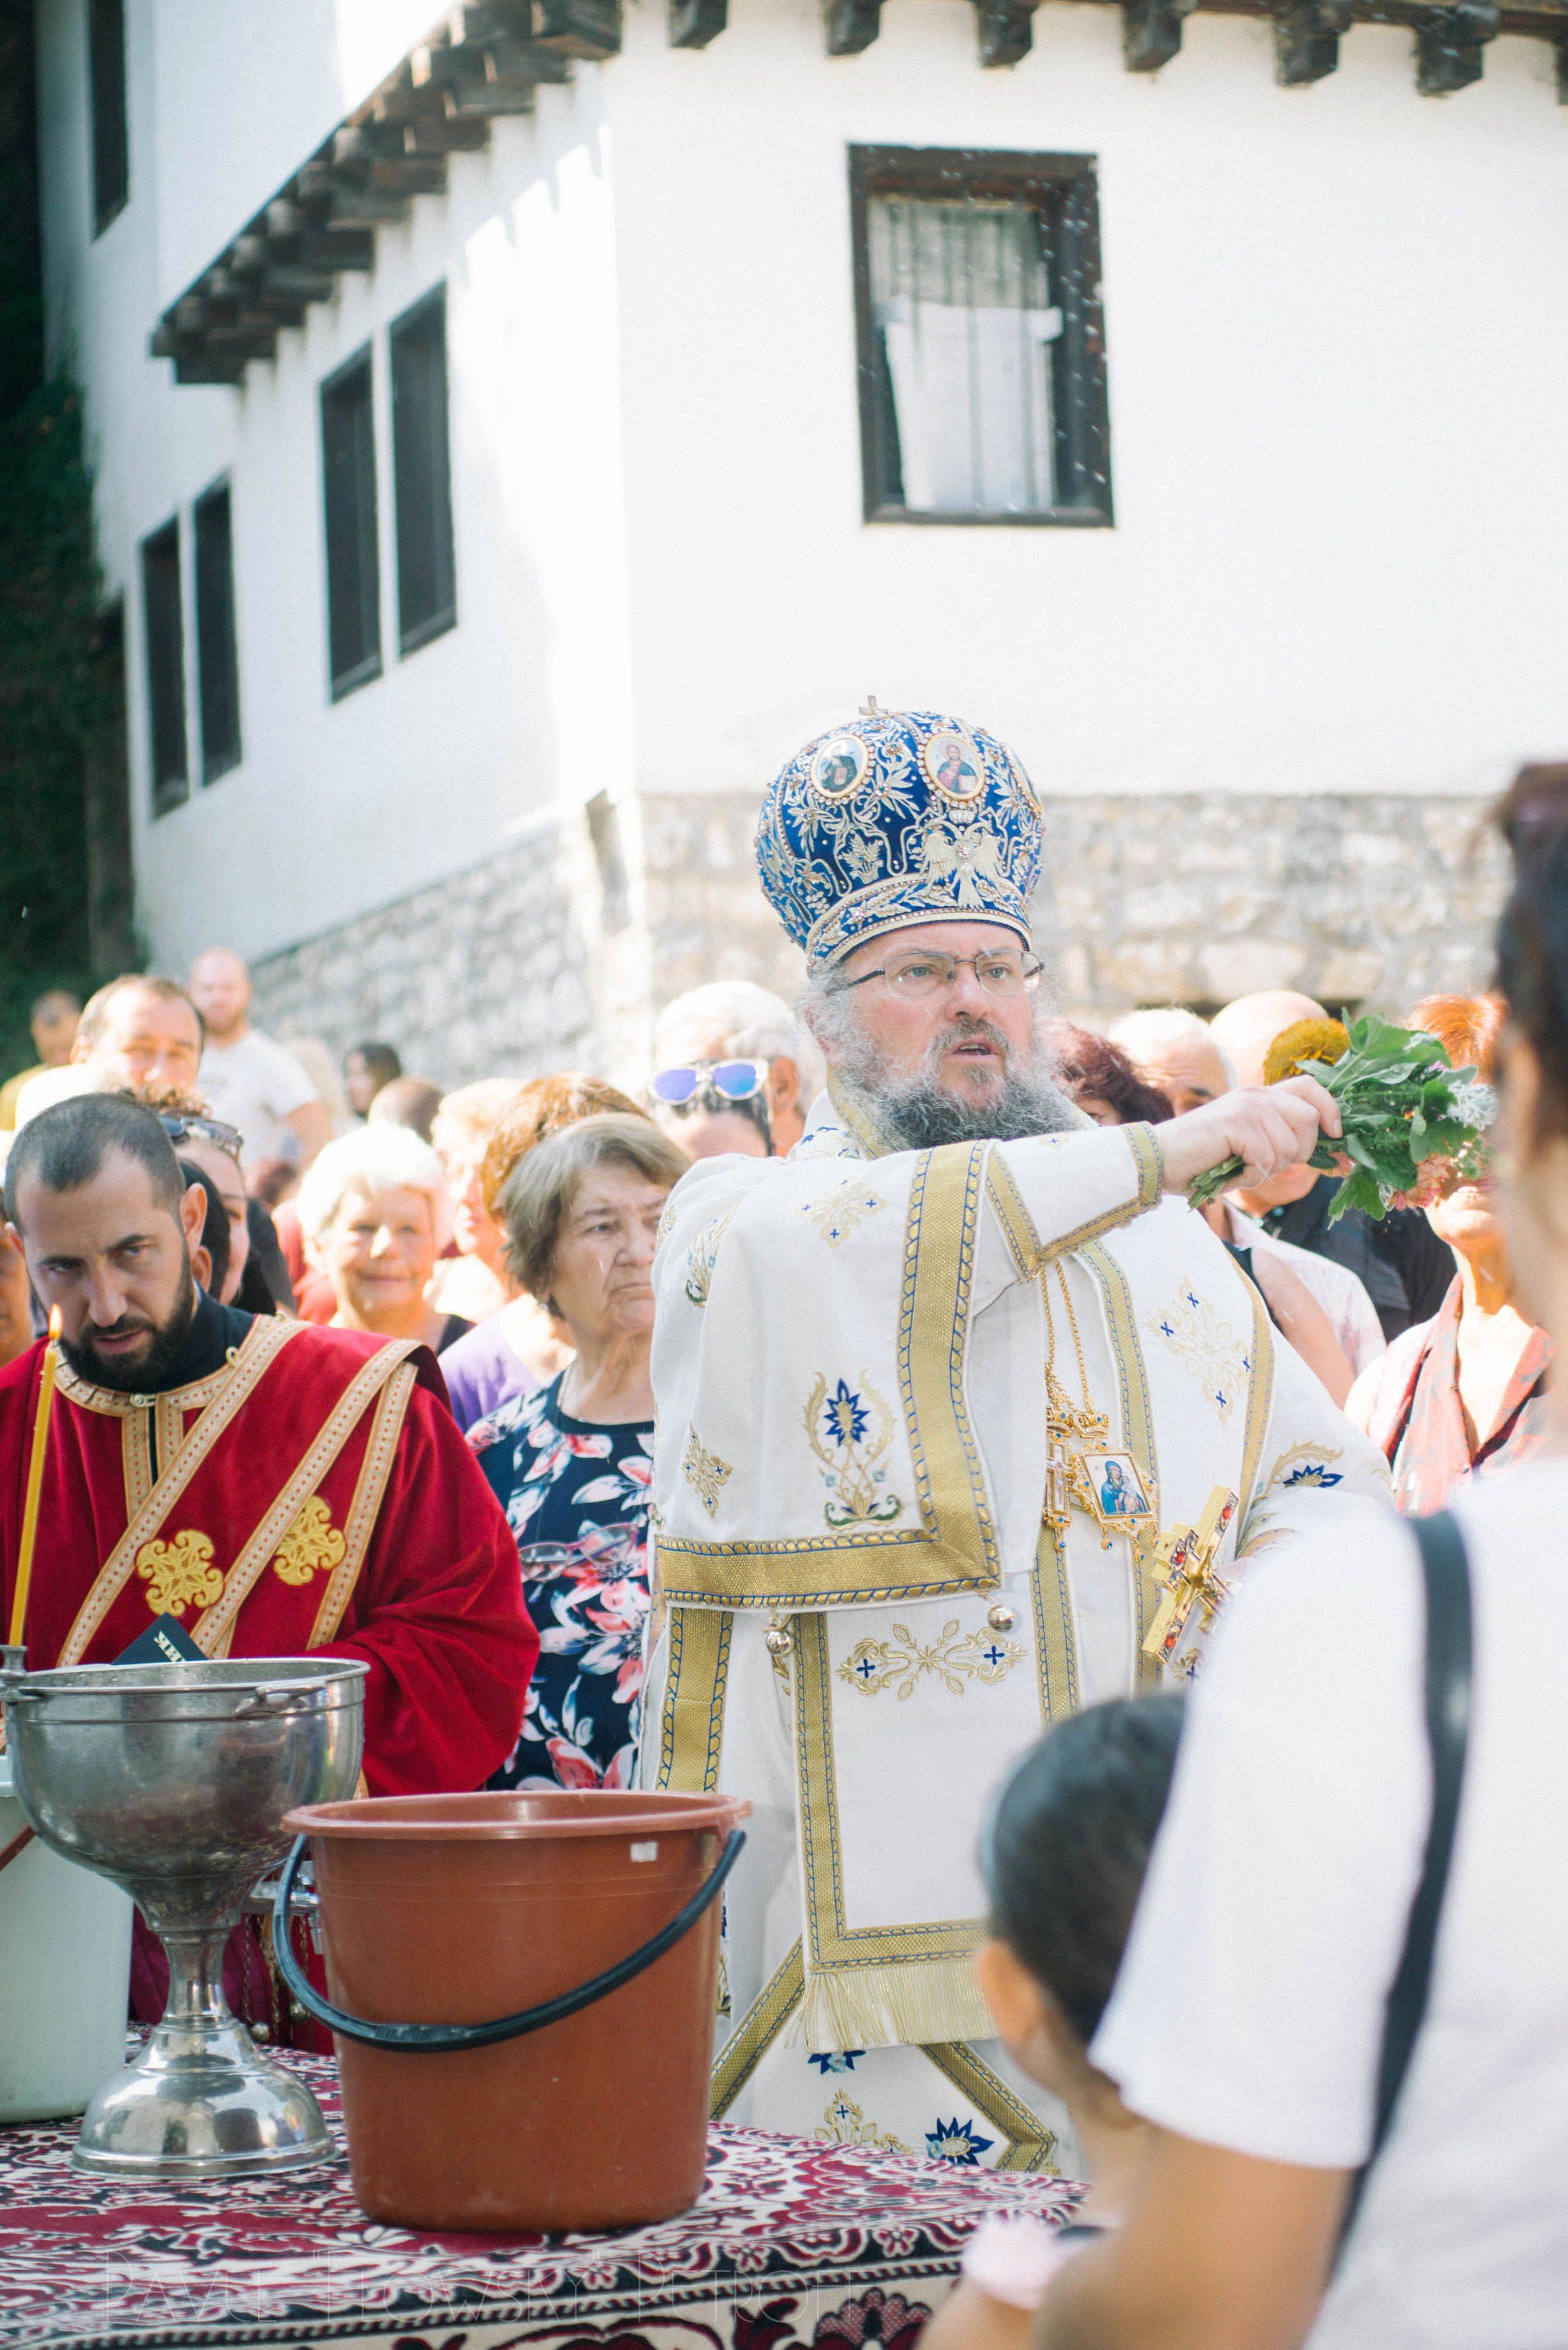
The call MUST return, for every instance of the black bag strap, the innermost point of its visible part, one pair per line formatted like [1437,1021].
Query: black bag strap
[1446,1572]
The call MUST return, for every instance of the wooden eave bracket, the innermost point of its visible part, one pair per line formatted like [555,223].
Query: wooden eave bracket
[480,62]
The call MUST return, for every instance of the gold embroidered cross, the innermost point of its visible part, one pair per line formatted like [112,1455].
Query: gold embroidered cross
[1185,1560]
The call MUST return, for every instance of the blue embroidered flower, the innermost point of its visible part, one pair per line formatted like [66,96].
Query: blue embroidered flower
[957,2141]
[845,1416]
[1314,1472]
[838,2060]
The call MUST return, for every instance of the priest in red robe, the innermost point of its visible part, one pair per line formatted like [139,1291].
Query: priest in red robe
[274,1487]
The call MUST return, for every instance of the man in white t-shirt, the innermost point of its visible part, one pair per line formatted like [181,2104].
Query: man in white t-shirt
[1248,2017]
[250,1082]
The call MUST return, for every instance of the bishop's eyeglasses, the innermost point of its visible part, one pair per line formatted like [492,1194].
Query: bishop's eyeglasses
[917,971]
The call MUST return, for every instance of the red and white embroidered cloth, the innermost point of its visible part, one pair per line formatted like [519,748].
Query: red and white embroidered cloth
[792,2244]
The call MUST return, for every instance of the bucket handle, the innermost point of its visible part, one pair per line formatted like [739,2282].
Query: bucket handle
[447,2039]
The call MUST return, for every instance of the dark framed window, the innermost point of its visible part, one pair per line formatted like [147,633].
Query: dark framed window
[217,652]
[163,622]
[110,136]
[981,337]
[421,473]
[353,563]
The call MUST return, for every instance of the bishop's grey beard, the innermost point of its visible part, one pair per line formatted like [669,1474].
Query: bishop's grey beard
[920,1113]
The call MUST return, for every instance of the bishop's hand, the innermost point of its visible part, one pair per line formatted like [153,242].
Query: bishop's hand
[1267,1127]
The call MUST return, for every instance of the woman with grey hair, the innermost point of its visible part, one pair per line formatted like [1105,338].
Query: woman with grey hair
[570,1463]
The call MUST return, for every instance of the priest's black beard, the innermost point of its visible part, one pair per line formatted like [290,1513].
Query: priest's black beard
[920,1114]
[149,1375]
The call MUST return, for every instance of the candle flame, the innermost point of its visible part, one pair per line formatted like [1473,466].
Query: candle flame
[56,1325]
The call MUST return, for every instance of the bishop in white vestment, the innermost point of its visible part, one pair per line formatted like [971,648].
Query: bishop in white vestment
[931,1423]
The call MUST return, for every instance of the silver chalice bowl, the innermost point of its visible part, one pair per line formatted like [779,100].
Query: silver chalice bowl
[172,1780]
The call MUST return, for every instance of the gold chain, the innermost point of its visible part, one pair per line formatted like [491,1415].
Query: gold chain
[1059,1399]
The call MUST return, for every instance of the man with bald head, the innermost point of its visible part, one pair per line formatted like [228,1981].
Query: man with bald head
[1405,1269]
[252,1082]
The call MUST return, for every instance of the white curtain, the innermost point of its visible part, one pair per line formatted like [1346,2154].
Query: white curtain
[971,390]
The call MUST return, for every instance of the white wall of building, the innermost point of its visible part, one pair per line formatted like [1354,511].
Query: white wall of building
[340,807]
[1337,323]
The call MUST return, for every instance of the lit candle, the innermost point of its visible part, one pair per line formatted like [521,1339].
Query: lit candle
[36,1477]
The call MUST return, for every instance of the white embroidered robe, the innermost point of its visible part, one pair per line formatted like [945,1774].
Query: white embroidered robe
[848,1363]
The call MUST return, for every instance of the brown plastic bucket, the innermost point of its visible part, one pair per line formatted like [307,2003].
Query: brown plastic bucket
[457,1910]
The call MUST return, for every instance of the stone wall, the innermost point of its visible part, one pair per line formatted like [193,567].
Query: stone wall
[559,951]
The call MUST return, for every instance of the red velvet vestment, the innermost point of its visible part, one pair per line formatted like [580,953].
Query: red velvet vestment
[314,1493]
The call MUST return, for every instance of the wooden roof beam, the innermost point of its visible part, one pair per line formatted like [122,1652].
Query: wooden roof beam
[1006,30]
[850,25]
[1152,31]
[1450,46]
[694,22]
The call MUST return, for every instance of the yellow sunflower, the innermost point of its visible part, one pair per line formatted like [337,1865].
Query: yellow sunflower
[1305,1040]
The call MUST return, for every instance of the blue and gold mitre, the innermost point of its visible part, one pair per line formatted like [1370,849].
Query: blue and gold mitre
[901,817]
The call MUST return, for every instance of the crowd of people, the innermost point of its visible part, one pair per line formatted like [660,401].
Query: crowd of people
[371,1200]
[1150,1857]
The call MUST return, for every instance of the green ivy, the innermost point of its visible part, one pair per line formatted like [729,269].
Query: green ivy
[57,707]
[60,696]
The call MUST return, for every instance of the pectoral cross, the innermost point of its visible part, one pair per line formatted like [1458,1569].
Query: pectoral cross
[1184,1559]
[1065,1426]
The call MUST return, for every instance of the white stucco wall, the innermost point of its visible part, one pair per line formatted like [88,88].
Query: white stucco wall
[1337,323]
[339,807]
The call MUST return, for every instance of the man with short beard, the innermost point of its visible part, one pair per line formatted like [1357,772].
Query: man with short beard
[273,1488]
[894,1376]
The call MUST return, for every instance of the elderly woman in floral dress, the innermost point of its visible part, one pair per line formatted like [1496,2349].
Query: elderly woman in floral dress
[570,1463]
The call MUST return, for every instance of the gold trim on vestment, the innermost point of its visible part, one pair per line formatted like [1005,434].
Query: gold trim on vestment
[252,1561]
[263,1342]
[1259,1406]
[1029,2145]
[696,1682]
[866,1986]
[761,2025]
[1137,1435]
[1056,1630]
[369,1491]
[135,1459]
[168,1419]
[954,1547]
[267,1334]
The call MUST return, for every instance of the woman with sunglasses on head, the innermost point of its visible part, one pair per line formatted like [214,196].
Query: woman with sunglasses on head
[712,1110]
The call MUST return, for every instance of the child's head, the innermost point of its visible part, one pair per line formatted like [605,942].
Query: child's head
[1063,1858]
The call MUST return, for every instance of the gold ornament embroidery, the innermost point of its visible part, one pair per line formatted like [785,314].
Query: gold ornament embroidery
[849,1429]
[178,1573]
[844,2123]
[705,1472]
[666,1224]
[1305,1464]
[702,1256]
[840,1212]
[311,1544]
[955,1657]
[1206,1346]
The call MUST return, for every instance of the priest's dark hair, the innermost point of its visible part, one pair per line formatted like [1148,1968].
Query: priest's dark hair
[1067,1843]
[66,1147]
[214,1233]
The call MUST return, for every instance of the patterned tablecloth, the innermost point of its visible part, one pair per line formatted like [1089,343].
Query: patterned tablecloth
[793,2244]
